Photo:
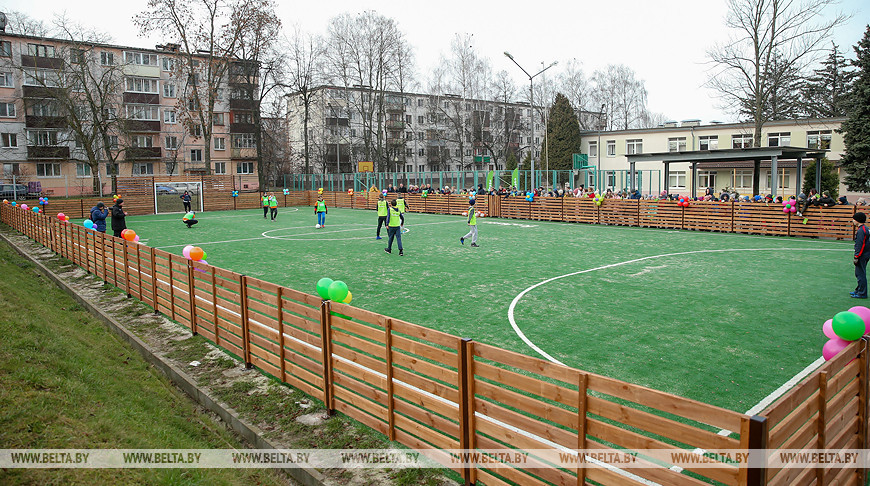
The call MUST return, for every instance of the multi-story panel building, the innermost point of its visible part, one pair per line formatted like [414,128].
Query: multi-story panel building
[65,104]
[408,132]
[607,150]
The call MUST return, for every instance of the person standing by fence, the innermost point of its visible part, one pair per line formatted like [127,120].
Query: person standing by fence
[383,212]
[861,256]
[185,199]
[98,216]
[119,218]
[394,228]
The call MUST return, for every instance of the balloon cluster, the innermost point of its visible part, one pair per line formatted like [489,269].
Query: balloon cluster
[235,193]
[425,193]
[116,197]
[598,199]
[130,235]
[88,224]
[334,290]
[384,192]
[843,328]
[789,206]
[286,191]
[320,190]
[43,201]
[60,216]
[350,192]
[530,196]
[683,202]
[194,253]
[5,201]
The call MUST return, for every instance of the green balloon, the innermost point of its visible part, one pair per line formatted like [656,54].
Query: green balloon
[848,326]
[337,291]
[323,287]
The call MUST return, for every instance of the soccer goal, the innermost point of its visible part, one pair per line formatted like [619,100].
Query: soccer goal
[168,196]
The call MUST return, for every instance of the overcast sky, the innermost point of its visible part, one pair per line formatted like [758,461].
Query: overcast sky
[664,41]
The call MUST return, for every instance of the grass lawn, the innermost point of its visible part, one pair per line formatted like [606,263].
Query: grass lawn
[67,382]
[721,318]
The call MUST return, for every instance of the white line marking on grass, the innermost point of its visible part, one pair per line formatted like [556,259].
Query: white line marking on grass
[318,232]
[200,213]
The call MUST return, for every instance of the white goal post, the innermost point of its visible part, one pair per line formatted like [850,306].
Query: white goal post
[167,196]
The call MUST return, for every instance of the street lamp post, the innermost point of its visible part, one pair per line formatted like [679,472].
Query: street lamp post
[532,104]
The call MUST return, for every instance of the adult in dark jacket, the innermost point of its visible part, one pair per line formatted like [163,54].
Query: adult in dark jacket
[861,256]
[185,199]
[98,216]
[119,222]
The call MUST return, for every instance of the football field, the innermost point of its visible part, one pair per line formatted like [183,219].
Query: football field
[721,318]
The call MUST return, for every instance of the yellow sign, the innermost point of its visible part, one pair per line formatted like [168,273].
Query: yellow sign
[365,166]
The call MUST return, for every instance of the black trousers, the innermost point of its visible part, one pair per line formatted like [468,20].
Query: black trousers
[186,205]
[191,222]
[382,221]
[273,212]
[265,211]
[861,275]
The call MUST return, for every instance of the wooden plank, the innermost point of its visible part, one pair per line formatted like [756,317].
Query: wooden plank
[794,421]
[445,427]
[407,346]
[529,424]
[424,368]
[788,402]
[526,383]
[430,435]
[426,401]
[523,362]
[537,408]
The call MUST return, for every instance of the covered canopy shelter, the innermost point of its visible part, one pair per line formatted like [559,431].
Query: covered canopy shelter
[736,158]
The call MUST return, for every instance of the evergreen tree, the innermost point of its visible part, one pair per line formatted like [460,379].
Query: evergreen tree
[825,94]
[527,162]
[511,161]
[830,179]
[856,128]
[563,135]
[782,92]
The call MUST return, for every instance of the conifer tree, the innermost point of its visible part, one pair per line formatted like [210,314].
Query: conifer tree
[856,128]
[825,93]
[563,135]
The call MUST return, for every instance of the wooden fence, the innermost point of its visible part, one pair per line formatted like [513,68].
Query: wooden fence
[430,390]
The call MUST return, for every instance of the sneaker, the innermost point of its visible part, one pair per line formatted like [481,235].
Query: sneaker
[852,294]
[401,253]
[475,245]
[388,250]
[799,214]
[462,240]
[856,296]
[378,238]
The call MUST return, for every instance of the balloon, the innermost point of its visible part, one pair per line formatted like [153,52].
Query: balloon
[136,239]
[124,233]
[186,251]
[66,218]
[785,210]
[14,203]
[203,261]
[24,207]
[348,298]
[337,291]
[793,209]
[848,326]
[864,314]
[833,347]
[5,201]
[88,224]
[828,330]
[130,236]
[323,287]
[204,255]
[196,253]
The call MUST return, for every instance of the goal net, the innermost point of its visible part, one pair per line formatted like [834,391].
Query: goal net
[168,196]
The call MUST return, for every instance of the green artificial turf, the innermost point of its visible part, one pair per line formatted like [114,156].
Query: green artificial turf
[726,328]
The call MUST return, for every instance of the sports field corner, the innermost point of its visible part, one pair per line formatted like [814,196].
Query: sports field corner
[722,318]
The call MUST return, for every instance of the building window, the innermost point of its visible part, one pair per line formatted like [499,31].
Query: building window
[113,142]
[168,90]
[42,138]
[245,168]
[193,104]
[743,179]
[220,143]
[677,179]
[409,152]
[48,170]
[634,146]
[420,119]
[168,63]
[8,140]
[243,118]
[409,167]
[140,58]
[220,167]
[107,58]
[819,139]
[77,56]
[421,152]
[40,50]
[353,132]
[171,142]
[611,148]
[44,108]
[677,144]
[143,168]
[142,85]
[741,140]
[217,119]
[783,180]
[40,77]
[7,110]
[779,139]
[408,119]
[141,141]
[593,149]
[83,170]
[143,112]
[706,178]
[611,179]
[5,49]
[6,80]
[196,155]
[244,140]
[169,116]
[708,142]
[196,131]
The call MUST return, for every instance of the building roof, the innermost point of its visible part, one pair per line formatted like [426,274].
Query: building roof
[716,126]
[709,158]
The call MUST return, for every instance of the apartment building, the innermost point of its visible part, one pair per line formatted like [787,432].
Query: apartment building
[607,151]
[410,132]
[48,122]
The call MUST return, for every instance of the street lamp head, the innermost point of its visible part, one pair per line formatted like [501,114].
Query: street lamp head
[508,55]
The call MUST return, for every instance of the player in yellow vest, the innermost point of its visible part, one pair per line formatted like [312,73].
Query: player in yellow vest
[320,210]
[273,206]
[265,200]
[472,222]
[394,228]
[383,212]
[402,207]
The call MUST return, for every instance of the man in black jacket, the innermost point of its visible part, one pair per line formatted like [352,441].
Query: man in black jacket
[119,222]
[861,256]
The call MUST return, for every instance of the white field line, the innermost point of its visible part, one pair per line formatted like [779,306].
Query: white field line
[203,212]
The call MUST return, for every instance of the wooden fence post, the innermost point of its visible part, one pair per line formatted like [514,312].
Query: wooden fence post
[171,289]
[217,329]
[126,268]
[732,216]
[582,380]
[139,271]
[115,264]
[246,338]
[103,257]
[822,423]
[154,302]
[758,431]
[283,353]
[862,405]
[391,404]
[466,404]
[326,350]
[191,297]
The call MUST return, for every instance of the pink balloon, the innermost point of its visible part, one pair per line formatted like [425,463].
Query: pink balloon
[24,207]
[136,238]
[793,209]
[785,209]
[828,329]
[186,251]
[863,313]
[833,347]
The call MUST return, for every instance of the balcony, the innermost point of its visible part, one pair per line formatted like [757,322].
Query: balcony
[41,62]
[33,121]
[140,153]
[241,105]
[35,152]
[342,122]
[394,106]
[242,128]
[142,98]
[40,92]
[243,153]
[142,126]
[395,125]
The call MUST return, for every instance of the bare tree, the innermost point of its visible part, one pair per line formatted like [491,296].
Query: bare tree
[788,33]
[304,74]
[622,95]
[578,89]
[23,24]
[505,136]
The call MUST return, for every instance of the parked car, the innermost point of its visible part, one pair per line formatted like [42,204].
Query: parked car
[166,190]
[11,191]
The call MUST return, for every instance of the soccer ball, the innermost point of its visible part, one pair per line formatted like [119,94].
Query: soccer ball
[317,226]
